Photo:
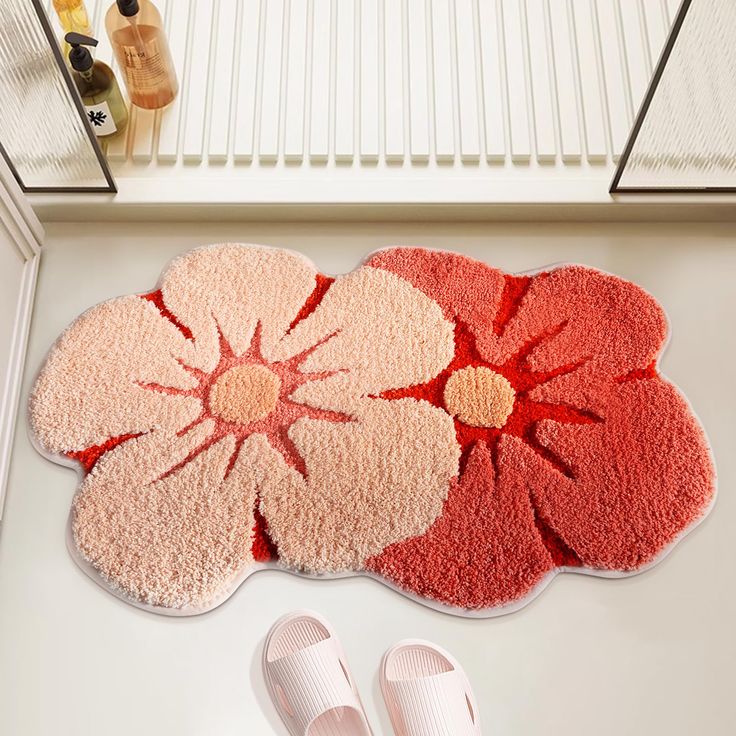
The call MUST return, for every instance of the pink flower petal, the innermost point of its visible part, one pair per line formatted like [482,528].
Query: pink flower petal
[368,483]
[168,520]
[371,332]
[92,385]
[231,288]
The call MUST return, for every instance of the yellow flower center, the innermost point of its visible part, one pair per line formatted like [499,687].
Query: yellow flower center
[479,397]
[245,393]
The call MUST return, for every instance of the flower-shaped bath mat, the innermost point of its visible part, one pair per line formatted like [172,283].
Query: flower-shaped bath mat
[457,432]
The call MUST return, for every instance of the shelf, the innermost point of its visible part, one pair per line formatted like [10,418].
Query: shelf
[484,106]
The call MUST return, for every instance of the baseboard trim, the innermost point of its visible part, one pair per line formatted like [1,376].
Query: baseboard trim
[16,364]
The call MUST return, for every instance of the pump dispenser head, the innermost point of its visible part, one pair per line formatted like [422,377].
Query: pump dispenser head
[128,8]
[79,56]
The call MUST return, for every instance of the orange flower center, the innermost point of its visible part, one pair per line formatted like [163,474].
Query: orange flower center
[245,393]
[479,397]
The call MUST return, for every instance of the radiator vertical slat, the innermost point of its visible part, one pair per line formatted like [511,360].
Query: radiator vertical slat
[369,80]
[295,40]
[467,80]
[636,58]
[345,82]
[319,125]
[145,126]
[271,81]
[544,125]
[618,104]
[444,117]
[516,81]
[222,88]
[586,33]
[168,140]
[567,103]
[195,114]
[393,76]
[246,71]
[491,39]
[419,111]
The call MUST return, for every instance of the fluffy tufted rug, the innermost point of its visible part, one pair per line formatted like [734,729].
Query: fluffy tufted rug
[460,433]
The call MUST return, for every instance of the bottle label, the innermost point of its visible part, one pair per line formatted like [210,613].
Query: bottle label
[101,119]
[145,67]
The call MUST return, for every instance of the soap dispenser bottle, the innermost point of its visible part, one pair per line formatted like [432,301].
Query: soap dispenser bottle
[73,16]
[139,42]
[101,96]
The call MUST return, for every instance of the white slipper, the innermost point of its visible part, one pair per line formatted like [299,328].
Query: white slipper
[427,692]
[308,678]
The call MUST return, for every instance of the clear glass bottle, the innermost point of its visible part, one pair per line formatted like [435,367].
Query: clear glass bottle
[138,39]
[98,88]
[73,16]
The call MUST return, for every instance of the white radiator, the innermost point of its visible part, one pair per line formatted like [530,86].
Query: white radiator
[393,100]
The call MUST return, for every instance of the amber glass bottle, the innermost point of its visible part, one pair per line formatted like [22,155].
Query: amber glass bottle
[97,87]
[139,42]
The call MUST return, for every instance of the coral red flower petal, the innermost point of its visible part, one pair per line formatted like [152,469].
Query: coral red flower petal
[464,288]
[485,549]
[581,315]
[640,477]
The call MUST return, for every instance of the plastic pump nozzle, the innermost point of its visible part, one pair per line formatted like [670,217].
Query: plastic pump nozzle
[79,56]
[128,8]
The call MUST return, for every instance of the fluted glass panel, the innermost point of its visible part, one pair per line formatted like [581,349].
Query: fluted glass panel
[688,137]
[41,129]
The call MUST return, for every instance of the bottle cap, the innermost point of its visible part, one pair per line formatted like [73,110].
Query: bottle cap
[128,7]
[80,57]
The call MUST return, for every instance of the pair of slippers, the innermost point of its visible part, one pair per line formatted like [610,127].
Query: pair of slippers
[425,689]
